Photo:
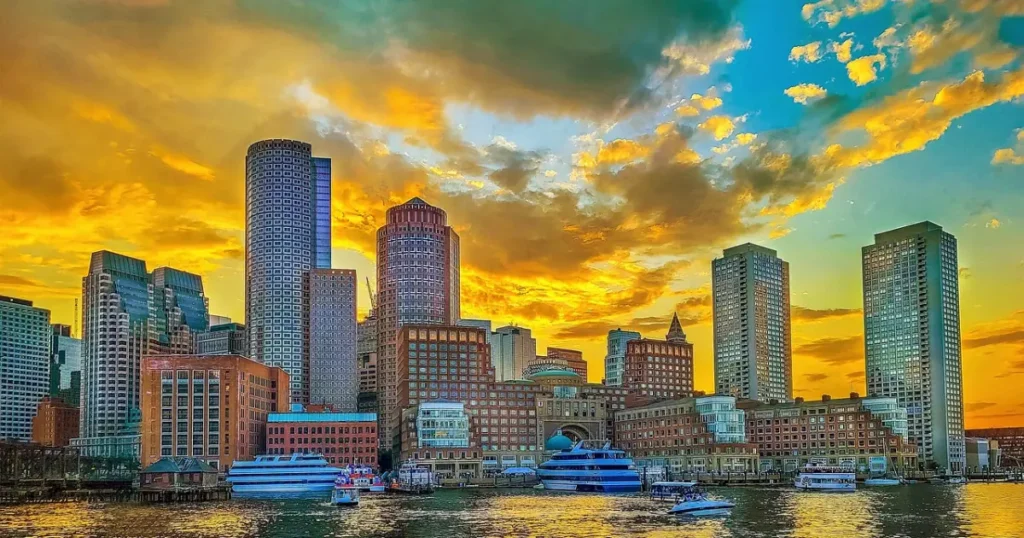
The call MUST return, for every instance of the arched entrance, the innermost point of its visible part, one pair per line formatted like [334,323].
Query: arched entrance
[575,432]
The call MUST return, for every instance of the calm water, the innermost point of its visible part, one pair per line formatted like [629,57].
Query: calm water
[984,510]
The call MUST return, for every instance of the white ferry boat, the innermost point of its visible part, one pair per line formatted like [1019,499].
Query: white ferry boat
[295,473]
[693,502]
[604,470]
[825,478]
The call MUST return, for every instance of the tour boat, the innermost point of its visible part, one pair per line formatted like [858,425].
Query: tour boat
[363,478]
[670,491]
[604,470]
[693,502]
[345,495]
[824,478]
[294,473]
[413,478]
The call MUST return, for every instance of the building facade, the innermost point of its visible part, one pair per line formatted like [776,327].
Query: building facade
[333,364]
[24,365]
[753,347]
[572,357]
[55,423]
[615,360]
[513,348]
[1010,442]
[841,432]
[660,368]
[65,365]
[342,438]
[417,282]
[224,339]
[287,234]
[912,336]
[704,434]
[211,407]
[366,350]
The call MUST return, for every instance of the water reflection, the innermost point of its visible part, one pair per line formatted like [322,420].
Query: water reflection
[983,510]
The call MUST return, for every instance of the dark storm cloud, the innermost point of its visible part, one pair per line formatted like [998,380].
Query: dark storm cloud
[834,351]
[800,313]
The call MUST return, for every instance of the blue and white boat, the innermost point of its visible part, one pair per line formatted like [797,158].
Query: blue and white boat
[604,470]
[295,473]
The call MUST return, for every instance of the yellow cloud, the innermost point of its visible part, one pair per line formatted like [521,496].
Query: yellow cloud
[745,138]
[862,70]
[805,93]
[186,165]
[993,223]
[810,52]
[687,111]
[622,151]
[719,126]
[100,113]
[812,201]
[843,51]
[707,103]
[687,156]
[550,173]
[779,232]
[1007,156]
[833,12]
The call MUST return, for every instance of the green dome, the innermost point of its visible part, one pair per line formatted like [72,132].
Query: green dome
[558,442]
[554,372]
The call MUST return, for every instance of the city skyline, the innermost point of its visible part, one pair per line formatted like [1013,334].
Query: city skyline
[148,162]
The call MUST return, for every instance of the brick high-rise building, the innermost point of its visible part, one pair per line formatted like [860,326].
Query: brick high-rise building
[342,438]
[366,359]
[572,357]
[660,368]
[333,365]
[55,423]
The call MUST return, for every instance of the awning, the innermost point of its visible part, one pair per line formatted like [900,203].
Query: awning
[518,471]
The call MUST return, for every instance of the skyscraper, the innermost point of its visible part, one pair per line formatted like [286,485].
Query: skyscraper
[366,349]
[128,313]
[333,369]
[660,368]
[753,349]
[24,365]
[65,364]
[514,347]
[615,360]
[417,282]
[287,233]
[912,335]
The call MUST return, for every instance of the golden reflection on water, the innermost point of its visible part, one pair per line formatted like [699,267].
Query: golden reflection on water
[817,514]
[985,513]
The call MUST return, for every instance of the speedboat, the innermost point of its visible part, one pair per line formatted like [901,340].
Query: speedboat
[670,491]
[604,470]
[693,502]
[816,477]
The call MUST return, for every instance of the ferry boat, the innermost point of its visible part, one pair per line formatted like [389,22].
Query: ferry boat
[413,478]
[604,470]
[694,503]
[345,493]
[670,491]
[294,473]
[362,477]
[825,478]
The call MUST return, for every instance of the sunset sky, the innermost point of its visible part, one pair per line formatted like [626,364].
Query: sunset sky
[594,156]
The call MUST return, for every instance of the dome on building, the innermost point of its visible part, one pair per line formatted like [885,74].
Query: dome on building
[558,442]
[555,372]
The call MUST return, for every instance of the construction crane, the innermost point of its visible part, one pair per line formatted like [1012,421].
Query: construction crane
[373,297]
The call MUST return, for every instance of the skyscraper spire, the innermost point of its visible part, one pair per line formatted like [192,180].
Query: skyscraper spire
[675,331]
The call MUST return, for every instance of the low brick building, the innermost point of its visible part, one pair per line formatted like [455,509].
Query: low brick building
[55,423]
[342,438]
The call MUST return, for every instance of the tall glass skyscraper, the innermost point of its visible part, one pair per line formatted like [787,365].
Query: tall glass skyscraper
[615,360]
[417,282]
[65,364]
[288,233]
[24,365]
[333,367]
[512,349]
[753,349]
[912,335]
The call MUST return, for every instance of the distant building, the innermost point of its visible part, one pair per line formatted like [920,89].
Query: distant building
[542,363]
[574,359]
[55,423]
[983,455]
[366,357]
[1010,442]
[333,364]
[843,432]
[753,347]
[703,434]
[513,348]
[223,339]
[211,407]
[615,360]
[342,438]
[24,365]
[65,365]
[219,320]
[481,324]
[660,368]
[912,335]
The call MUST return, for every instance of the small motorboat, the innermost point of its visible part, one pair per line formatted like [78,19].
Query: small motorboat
[539,486]
[883,481]
[345,496]
[693,502]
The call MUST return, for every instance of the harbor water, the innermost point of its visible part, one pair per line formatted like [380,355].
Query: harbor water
[924,511]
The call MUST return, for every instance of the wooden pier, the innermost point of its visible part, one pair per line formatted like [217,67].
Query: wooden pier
[186,495]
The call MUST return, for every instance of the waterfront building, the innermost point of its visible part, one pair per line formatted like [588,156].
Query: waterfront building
[480,324]
[555,377]
[912,335]
[513,348]
[65,365]
[366,357]
[24,365]
[417,282]
[573,357]
[579,419]
[983,455]
[342,438]
[840,432]
[753,347]
[1010,441]
[660,368]
[223,339]
[287,196]
[542,363]
[211,407]
[128,313]
[333,366]
[55,423]
[615,360]
[693,434]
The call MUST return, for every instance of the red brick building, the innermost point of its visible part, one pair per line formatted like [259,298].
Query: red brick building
[660,369]
[342,438]
[1011,443]
[55,423]
[572,357]
[211,407]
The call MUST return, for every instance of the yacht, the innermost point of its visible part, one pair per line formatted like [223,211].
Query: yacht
[825,478]
[294,473]
[604,470]
[693,502]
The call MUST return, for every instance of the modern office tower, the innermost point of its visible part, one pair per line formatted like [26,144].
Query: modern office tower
[24,365]
[220,320]
[573,358]
[333,367]
[128,313]
[417,282]
[753,349]
[287,233]
[912,335]
[65,365]
[366,356]
[660,368]
[615,360]
[514,348]
[223,339]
